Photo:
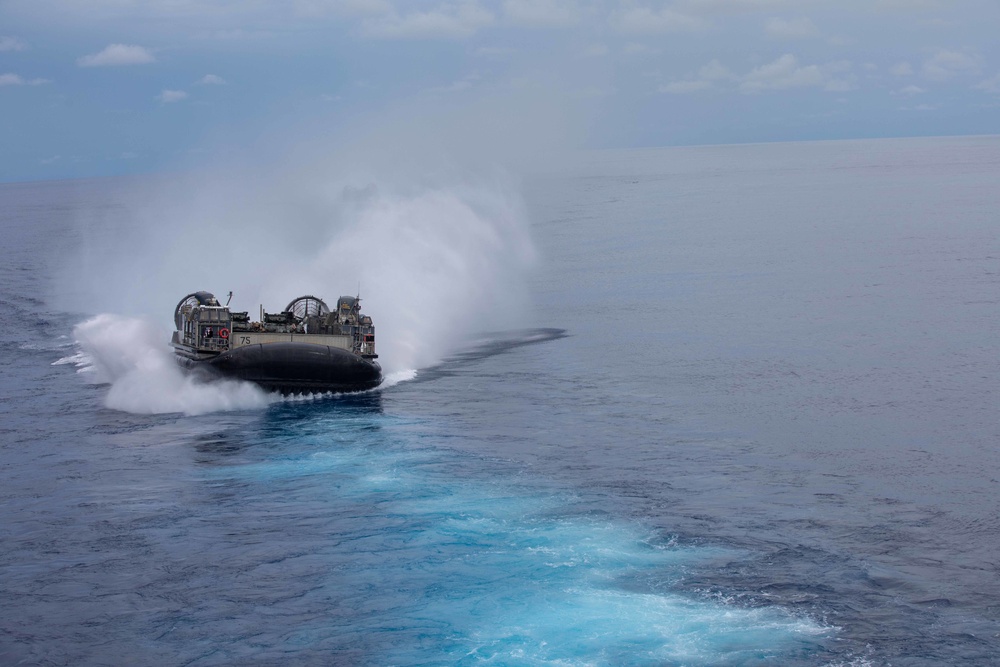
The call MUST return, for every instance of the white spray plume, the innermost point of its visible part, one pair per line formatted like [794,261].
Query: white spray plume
[410,209]
[128,353]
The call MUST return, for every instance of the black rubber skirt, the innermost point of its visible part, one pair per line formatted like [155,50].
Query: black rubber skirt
[293,368]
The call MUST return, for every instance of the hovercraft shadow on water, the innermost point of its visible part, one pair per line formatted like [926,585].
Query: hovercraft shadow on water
[306,348]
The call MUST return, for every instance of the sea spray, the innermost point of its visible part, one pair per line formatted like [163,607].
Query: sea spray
[438,267]
[434,265]
[130,354]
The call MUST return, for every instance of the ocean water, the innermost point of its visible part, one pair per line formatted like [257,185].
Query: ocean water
[692,406]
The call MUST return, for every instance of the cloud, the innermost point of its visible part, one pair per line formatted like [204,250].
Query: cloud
[117,54]
[211,80]
[989,85]
[706,78]
[639,49]
[735,6]
[800,28]
[901,69]
[596,51]
[542,13]
[909,5]
[495,52]
[715,71]
[786,73]
[685,87]
[456,86]
[16,80]
[168,96]
[945,64]
[234,35]
[783,73]
[643,20]
[319,8]
[909,90]
[445,22]
[12,44]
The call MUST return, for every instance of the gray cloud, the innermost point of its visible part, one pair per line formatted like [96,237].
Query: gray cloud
[12,44]
[945,64]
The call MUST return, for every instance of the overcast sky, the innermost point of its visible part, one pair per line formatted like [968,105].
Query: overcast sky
[96,87]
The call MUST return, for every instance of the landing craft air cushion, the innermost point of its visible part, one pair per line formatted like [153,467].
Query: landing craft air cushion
[303,349]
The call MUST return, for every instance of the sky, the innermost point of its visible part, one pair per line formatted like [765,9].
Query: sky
[105,87]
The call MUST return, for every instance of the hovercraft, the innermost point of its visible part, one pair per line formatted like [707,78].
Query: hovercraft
[305,348]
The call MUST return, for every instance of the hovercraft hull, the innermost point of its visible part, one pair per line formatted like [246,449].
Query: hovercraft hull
[292,368]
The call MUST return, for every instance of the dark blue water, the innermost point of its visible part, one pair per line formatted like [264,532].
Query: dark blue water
[746,414]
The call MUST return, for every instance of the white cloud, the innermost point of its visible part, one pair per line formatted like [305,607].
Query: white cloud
[456,86]
[638,49]
[989,85]
[715,71]
[901,69]
[50,160]
[643,20]
[908,5]
[542,13]
[211,80]
[12,44]
[685,87]
[448,22]
[909,90]
[318,8]
[234,35]
[117,54]
[10,79]
[785,73]
[736,6]
[800,28]
[168,96]
[707,77]
[945,64]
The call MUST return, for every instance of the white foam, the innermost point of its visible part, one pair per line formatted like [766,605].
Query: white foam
[399,376]
[131,355]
